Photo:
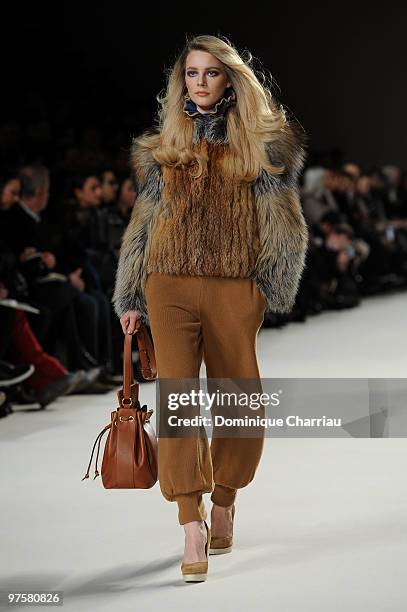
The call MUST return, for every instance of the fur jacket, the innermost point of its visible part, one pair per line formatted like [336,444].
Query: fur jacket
[279,230]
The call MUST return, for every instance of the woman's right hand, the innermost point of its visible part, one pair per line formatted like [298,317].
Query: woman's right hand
[128,321]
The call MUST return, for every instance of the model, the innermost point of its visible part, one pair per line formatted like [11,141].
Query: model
[216,238]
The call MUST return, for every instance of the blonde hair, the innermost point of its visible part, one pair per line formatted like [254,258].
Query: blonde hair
[255,119]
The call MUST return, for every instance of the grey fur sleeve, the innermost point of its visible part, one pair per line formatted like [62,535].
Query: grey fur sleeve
[130,274]
[282,226]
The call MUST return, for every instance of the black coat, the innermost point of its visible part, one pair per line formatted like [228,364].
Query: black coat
[20,230]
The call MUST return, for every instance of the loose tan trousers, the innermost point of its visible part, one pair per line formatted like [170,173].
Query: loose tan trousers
[218,319]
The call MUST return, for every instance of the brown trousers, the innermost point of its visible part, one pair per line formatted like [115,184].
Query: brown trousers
[217,319]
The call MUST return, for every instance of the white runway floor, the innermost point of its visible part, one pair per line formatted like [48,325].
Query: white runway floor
[323,526]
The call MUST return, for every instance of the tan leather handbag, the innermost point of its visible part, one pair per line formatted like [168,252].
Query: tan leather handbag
[130,454]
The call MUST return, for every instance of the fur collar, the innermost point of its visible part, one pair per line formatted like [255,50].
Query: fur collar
[211,125]
[288,150]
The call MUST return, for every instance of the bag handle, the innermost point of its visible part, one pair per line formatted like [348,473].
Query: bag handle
[147,354]
[147,359]
[128,374]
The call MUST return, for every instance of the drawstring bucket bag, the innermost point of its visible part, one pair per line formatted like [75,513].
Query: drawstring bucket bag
[130,453]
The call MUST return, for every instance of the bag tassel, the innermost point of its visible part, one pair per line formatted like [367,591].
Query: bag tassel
[97,454]
[99,437]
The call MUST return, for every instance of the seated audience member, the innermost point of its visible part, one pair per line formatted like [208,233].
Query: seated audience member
[48,285]
[352,168]
[110,187]
[117,219]
[83,247]
[394,192]
[334,262]
[317,193]
[50,379]
[10,188]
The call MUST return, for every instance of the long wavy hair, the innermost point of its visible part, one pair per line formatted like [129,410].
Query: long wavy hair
[255,119]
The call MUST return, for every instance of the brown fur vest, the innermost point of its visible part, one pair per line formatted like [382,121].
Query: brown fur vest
[209,226]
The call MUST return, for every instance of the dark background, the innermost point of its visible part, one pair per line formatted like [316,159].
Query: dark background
[339,68]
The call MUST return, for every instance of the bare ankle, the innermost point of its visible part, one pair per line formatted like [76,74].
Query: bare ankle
[195,538]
